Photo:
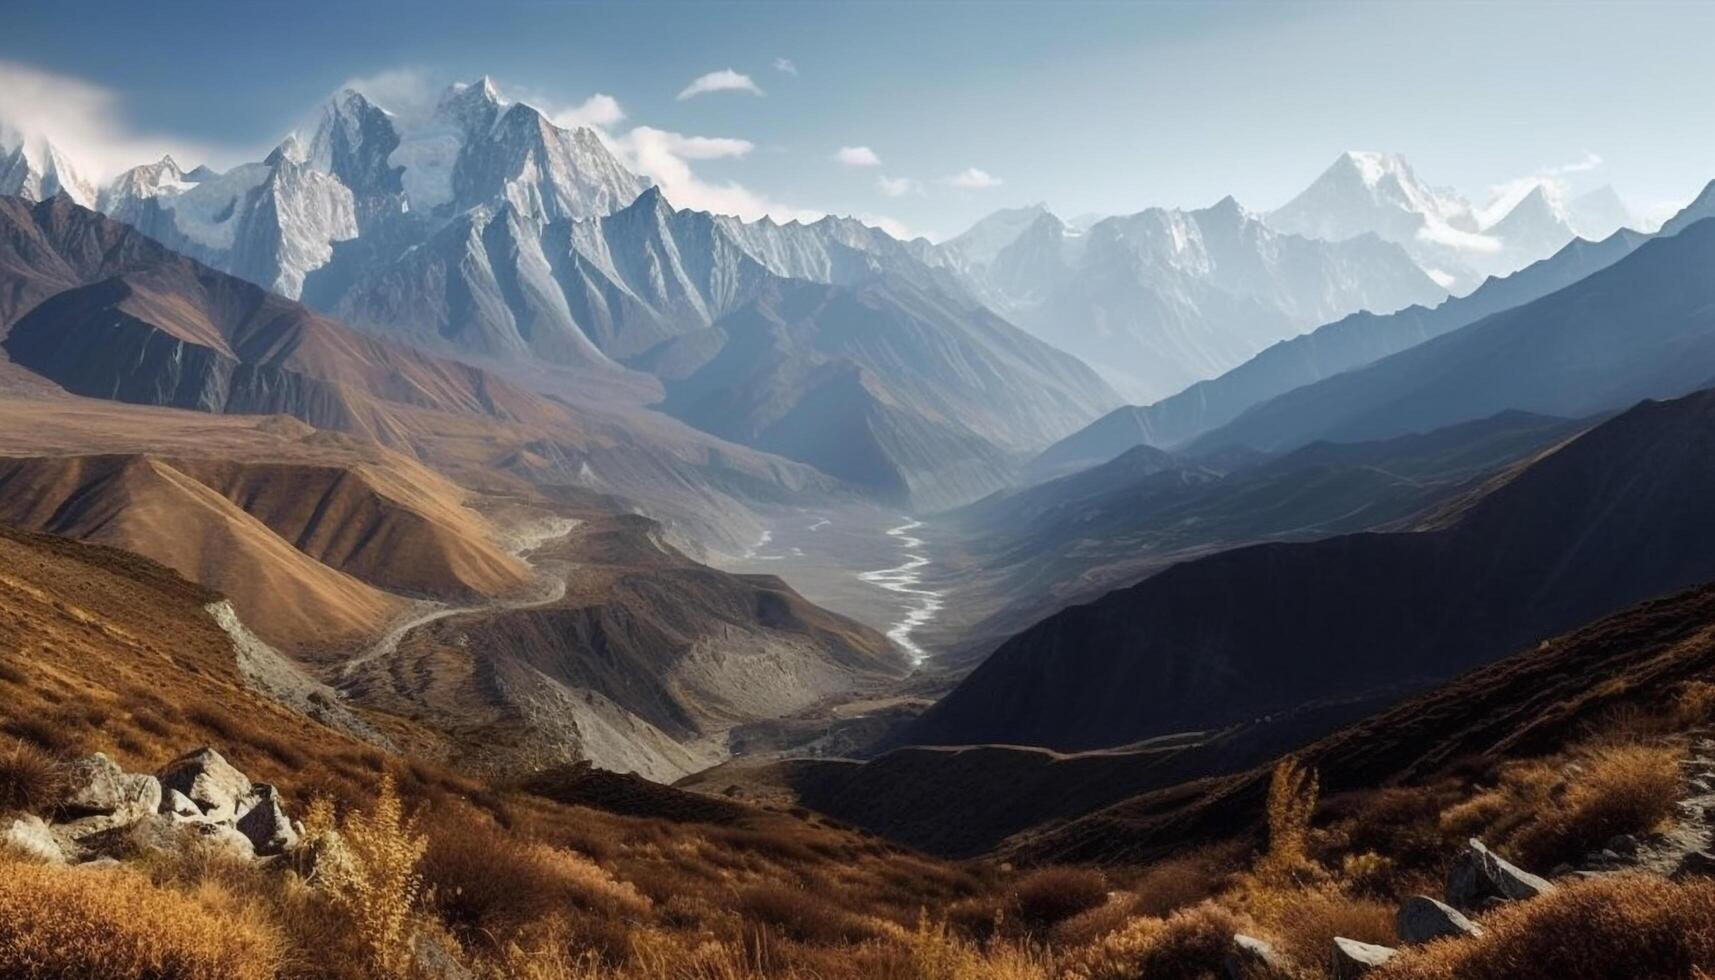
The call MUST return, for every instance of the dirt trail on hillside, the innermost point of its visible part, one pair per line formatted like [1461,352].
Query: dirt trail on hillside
[550,588]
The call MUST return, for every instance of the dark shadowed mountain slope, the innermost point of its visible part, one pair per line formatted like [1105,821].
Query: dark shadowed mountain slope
[1530,703]
[1617,515]
[1639,329]
[1032,552]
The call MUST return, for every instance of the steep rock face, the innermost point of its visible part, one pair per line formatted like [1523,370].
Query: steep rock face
[367,185]
[1164,298]
[1637,329]
[1615,516]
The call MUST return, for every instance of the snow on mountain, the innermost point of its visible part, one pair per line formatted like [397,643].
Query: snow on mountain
[1537,225]
[389,180]
[36,169]
[1378,193]
[1163,298]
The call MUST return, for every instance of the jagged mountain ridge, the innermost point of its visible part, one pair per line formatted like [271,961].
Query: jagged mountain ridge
[1164,298]
[888,378]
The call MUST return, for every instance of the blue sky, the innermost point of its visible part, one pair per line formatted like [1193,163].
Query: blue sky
[1091,107]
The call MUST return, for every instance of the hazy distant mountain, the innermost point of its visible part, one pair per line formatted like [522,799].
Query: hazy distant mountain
[1599,213]
[1637,329]
[1379,194]
[1615,516]
[1456,243]
[1349,343]
[1163,298]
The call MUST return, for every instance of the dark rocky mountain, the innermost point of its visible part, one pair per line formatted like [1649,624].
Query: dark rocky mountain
[1637,329]
[1615,516]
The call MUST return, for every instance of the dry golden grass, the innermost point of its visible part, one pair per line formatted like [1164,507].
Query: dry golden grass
[1544,811]
[368,865]
[61,924]
[1190,944]
[1291,801]
[1630,926]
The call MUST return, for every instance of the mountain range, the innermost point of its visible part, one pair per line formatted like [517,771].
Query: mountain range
[1349,343]
[1457,243]
[1612,517]
[1164,298]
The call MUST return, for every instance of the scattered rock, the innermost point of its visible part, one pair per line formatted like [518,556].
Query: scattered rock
[30,835]
[99,864]
[1353,959]
[1480,874]
[1251,958]
[208,781]
[1422,918]
[264,822]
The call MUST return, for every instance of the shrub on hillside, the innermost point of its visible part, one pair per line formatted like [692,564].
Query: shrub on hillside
[31,780]
[1049,896]
[71,923]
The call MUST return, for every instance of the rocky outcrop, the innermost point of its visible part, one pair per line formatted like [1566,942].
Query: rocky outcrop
[198,797]
[1480,877]
[209,782]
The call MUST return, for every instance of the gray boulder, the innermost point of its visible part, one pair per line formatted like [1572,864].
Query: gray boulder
[1480,876]
[207,780]
[30,835]
[1695,864]
[98,788]
[264,823]
[1353,959]
[1422,919]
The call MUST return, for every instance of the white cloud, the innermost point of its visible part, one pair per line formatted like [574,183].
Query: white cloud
[665,157]
[725,80]
[898,186]
[898,229]
[599,110]
[971,178]
[785,66]
[857,156]
[88,124]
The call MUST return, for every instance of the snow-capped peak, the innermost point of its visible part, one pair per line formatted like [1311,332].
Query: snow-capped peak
[34,168]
